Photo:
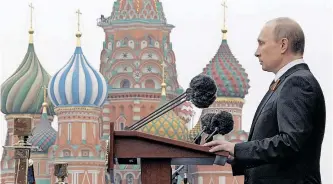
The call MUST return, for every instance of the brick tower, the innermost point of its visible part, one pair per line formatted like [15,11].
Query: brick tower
[137,41]
[78,91]
[22,96]
[232,84]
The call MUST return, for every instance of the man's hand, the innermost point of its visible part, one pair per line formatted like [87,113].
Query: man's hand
[221,145]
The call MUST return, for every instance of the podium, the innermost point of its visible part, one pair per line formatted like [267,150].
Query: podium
[156,154]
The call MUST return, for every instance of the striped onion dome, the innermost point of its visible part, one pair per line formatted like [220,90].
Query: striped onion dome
[231,79]
[22,93]
[43,135]
[77,83]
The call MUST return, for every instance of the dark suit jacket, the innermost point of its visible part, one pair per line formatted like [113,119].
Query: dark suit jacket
[285,139]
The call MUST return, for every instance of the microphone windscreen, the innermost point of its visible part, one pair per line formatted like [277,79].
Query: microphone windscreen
[205,122]
[203,82]
[224,121]
[203,91]
[202,101]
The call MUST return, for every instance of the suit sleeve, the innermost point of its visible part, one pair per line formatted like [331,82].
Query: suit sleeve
[295,107]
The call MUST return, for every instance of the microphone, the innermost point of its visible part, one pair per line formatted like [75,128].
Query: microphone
[202,93]
[221,123]
[205,126]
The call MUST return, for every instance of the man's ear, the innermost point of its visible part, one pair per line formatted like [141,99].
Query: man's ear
[284,45]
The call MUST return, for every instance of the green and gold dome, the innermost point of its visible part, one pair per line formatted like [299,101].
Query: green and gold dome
[169,125]
[194,131]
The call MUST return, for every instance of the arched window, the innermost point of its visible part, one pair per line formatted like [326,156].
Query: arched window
[129,179]
[150,40]
[125,83]
[150,84]
[66,153]
[121,109]
[125,40]
[69,133]
[38,168]
[117,179]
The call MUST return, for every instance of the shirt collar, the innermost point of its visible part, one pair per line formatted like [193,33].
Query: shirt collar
[287,67]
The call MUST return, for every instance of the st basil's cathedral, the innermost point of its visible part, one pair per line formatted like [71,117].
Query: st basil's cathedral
[137,75]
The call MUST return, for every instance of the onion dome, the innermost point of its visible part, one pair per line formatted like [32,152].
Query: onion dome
[229,75]
[185,111]
[231,79]
[78,83]
[169,125]
[43,135]
[143,11]
[22,93]
[194,131]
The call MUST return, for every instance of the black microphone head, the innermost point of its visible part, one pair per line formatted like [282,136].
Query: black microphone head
[224,121]
[203,82]
[203,91]
[205,122]
[202,100]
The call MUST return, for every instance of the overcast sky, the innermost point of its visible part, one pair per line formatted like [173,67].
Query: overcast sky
[196,38]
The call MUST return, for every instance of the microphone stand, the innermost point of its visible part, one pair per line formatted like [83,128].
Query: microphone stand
[160,111]
[218,160]
[210,137]
[195,140]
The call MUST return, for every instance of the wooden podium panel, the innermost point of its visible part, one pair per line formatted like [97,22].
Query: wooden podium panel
[133,144]
[157,154]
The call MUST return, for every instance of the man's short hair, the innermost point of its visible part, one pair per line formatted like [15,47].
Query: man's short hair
[290,29]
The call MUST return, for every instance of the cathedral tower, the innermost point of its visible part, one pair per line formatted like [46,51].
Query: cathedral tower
[232,86]
[78,91]
[137,40]
[43,137]
[22,96]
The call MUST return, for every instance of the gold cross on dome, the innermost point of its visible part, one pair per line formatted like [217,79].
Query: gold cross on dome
[224,4]
[31,9]
[78,12]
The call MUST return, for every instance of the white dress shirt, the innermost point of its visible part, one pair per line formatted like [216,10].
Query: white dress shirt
[287,67]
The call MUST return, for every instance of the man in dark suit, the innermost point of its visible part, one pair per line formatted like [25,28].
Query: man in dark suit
[287,131]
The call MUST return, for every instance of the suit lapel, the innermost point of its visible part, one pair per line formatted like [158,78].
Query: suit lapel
[270,92]
[259,109]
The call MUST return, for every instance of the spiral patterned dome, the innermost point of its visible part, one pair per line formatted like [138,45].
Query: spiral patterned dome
[43,135]
[231,79]
[77,84]
[22,93]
